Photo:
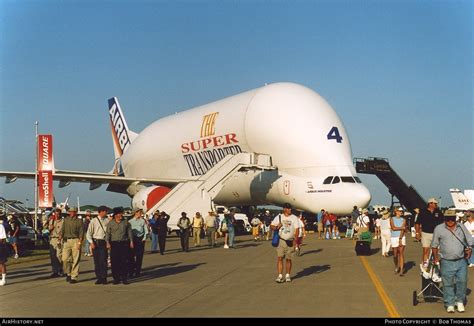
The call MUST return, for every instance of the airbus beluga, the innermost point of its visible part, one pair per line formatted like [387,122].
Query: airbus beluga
[306,140]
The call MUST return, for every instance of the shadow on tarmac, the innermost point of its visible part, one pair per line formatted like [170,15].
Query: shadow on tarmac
[312,270]
[373,251]
[409,265]
[156,272]
[310,252]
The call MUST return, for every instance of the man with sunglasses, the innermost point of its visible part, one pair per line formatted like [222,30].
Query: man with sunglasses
[428,219]
[451,246]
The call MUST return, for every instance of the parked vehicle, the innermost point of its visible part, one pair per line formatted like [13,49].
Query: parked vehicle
[26,237]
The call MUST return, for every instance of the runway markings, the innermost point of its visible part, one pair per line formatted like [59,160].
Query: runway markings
[392,311]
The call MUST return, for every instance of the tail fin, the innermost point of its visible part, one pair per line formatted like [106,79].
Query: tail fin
[122,136]
[461,202]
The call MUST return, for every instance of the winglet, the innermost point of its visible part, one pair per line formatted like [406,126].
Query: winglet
[122,136]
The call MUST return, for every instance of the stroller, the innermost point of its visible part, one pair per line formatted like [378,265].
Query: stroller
[431,284]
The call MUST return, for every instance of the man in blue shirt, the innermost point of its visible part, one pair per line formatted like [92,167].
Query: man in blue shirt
[452,243]
[139,231]
[319,219]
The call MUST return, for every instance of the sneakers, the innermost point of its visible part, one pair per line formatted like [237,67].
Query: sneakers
[226,246]
[471,265]
[450,309]
[287,278]
[3,282]
[280,279]
[460,306]
[16,256]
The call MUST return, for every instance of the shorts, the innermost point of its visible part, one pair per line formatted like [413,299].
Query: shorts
[12,240]
[3,252]
[426,239]
[395,241]
[283,250]
[320,227]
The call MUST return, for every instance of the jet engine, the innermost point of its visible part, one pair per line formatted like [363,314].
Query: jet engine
[146,198]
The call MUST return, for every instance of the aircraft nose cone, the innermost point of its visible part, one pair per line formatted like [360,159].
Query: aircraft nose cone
[362,196]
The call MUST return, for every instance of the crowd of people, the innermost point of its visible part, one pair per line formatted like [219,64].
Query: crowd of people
[117,243]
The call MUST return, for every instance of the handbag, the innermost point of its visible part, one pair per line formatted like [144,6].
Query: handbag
[224,227]
[276,236]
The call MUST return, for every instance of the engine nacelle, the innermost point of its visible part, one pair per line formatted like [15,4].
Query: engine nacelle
[148,197]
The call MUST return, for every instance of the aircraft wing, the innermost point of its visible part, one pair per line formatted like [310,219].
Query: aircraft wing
[95,179]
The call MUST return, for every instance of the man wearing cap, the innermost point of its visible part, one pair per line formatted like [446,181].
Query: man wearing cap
[13,233]
[451,246]
[198,224]
[428,219]
[210,228]
[184,225]
[72,235]
[267,220]
[119,240]
[55,225]
[154,231]
[286,225]
[363,221]
[96,237]
[139,232]
[162,229]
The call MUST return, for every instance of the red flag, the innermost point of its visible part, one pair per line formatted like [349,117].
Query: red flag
[45,153]
[45,185]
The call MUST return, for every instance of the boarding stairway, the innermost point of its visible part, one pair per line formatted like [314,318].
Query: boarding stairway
[407,195]
[193,196]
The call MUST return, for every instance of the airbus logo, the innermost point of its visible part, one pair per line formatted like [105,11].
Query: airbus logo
[121,136]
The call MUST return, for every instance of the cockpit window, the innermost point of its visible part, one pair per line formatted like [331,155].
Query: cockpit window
[327,180]
[348,179]
[357,180]
[336,180]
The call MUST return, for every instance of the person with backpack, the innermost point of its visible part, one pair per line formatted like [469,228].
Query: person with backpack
[287,226]
[228,228]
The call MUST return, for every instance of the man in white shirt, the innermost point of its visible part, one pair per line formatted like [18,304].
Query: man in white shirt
[363,222]
[3,254]
[287,226]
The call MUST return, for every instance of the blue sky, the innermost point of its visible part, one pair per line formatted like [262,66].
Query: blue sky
[398,73]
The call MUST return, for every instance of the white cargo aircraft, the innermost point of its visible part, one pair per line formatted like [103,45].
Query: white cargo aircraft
[293,124]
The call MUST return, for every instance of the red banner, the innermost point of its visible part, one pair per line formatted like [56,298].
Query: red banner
[45,185]
[45,153]
[45,171]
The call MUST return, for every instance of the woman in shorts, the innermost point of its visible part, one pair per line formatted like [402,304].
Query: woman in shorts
[398,225]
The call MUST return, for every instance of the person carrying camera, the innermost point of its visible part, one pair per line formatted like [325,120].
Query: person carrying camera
[451,246]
